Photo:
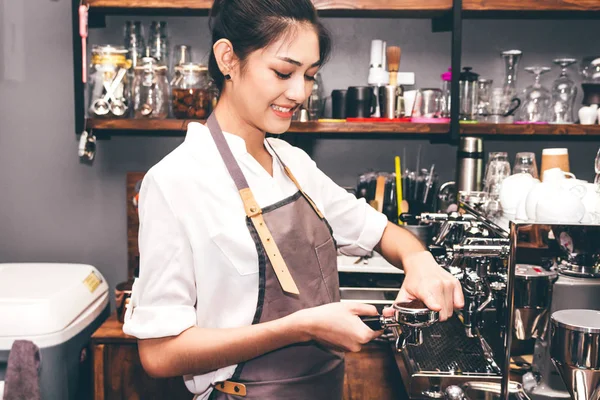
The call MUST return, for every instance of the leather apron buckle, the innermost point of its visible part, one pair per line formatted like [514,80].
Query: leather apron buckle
[233,388]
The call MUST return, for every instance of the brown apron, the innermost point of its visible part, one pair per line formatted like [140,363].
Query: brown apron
[304,256]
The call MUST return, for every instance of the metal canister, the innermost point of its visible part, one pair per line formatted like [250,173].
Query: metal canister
[470,165]
[533,291]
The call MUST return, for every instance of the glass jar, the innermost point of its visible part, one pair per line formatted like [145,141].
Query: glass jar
[108,83]
[192,97]
[150,92]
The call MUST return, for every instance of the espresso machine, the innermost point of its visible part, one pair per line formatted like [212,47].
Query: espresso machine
[512,283]
[467,347]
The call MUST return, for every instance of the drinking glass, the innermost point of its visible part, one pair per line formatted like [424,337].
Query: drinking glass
[536,99]
[525,162]
[564,92]
[501,107]
[484,87]
[497,170]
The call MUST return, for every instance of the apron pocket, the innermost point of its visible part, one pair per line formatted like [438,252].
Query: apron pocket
[327,258]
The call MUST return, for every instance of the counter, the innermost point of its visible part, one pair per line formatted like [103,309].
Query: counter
[118,374]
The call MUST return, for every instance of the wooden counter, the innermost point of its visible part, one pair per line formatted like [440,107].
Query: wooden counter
[118,372]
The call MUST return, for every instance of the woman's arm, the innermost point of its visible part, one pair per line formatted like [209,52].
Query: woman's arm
[424,279]
[200,350]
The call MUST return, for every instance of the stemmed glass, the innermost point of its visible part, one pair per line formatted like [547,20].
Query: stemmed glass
[564,92]
[536,99]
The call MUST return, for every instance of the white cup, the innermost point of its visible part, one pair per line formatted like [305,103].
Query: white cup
[588,114]
[409,101]
[556,174]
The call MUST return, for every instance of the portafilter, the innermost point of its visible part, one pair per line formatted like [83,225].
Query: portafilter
[408,320]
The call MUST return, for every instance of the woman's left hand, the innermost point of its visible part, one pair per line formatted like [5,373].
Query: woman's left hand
[425,280]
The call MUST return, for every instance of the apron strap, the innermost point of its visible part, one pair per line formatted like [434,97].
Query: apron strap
[230,387]
[253,210]
[293,179]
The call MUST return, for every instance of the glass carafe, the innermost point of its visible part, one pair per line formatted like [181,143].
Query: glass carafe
[564,92]
[150,90]
[511,64]
[192,94]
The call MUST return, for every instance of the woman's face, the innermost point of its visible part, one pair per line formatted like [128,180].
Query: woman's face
[277,79]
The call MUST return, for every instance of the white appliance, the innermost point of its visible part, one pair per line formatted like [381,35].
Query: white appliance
[57,307]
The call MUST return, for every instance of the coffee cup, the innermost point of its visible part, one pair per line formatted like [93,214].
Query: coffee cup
[556,174]
[554,158]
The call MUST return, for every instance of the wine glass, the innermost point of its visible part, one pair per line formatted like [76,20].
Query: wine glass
[536,99]
[564,92]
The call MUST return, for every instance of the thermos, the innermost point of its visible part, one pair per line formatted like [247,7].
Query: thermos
[470,165]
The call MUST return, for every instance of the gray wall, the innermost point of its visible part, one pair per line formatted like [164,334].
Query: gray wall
[52,208]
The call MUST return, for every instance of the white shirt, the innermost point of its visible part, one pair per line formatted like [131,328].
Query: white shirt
[198,262]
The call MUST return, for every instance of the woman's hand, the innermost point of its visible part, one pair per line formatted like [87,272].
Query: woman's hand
[427,281]
[337,325]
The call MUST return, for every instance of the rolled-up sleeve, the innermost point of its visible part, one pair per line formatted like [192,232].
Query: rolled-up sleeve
[357,227]
[164,295]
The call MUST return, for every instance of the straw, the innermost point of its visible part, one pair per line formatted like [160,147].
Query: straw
[429,183]
[398,187]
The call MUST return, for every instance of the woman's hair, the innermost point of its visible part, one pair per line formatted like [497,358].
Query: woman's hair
[255,24]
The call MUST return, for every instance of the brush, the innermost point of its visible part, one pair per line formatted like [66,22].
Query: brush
[393,60]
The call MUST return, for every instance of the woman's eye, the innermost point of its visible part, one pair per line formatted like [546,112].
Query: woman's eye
[309,78]
[282,76]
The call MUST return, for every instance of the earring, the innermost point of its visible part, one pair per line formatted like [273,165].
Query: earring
[227,77]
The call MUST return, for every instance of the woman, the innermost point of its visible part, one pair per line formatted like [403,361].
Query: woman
[238,288]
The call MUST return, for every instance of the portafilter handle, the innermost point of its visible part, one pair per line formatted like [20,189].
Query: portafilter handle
[410,317]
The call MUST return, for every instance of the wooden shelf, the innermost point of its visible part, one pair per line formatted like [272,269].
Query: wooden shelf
[357,8]
[531,5]
[175,127]
[328,7]
[530,130]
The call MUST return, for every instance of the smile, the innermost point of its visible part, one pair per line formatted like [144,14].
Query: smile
[282,109]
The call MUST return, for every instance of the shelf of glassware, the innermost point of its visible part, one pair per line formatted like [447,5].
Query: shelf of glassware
[351,7]
[530,129]
[176,127]
[530,5]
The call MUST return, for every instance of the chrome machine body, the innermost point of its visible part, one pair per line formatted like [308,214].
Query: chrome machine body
[512,282]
